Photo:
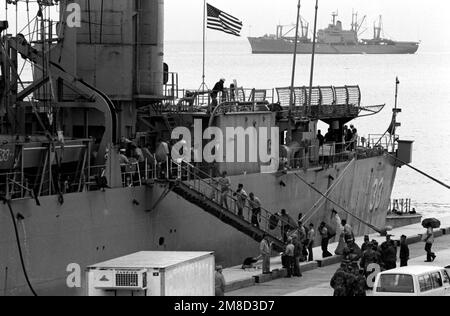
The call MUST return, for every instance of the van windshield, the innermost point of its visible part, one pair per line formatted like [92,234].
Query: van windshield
[396,283]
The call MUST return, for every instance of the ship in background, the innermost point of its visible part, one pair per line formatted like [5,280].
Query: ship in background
[71,199]
[332,40]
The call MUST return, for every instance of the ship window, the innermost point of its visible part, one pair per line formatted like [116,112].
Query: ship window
[161,241]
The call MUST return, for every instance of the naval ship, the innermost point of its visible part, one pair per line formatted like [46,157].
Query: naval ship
[331,40]
[84,171]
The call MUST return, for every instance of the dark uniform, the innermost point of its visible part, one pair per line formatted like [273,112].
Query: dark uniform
[218,87]
[369,257]
[351,282]
[389,255]
[360,286]
[404,255]
[338,282]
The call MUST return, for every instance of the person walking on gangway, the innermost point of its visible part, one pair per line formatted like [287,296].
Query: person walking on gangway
[225,184]
[255,205]
[241,200]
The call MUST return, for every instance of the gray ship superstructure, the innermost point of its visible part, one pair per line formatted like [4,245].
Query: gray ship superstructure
[332,40]
[102,90]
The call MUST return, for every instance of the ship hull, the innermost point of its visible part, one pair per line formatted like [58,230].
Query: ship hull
[280,46]
[93,227]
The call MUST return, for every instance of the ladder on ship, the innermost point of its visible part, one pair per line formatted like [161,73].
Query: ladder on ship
[198,188]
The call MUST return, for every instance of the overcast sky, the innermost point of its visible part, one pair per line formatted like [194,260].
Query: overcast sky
[424,20]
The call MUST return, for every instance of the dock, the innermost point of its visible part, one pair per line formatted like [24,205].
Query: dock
[317,274]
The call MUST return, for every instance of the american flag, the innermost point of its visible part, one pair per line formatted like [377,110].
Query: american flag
[221,21]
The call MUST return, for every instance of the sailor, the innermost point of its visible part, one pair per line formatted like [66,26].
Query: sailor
[284,224]
[220,281]
[290,259]
[138,153]
[404,252]
[338,222]
[355,138]
[329,137]
[255,205]
[123,159]
[302,238]
[369,257]
[311,239]
[320,138]
[218,88]
[264,249]
[324,234]
[162,156]
[225,184]
[351,280]
[348,231]
[348,137]
[366,243]
[389,253]
[360,284]
[338,282]
[241,200]
[298,253]
[429,241]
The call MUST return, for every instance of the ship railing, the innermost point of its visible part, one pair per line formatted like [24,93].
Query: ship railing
[307,157]
[320,96]
[170,86]
[318,156]
[133,174]
[385,141]
[11,185]
[211,189]
[202,101]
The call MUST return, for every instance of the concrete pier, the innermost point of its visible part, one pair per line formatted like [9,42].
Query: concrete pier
[317,274]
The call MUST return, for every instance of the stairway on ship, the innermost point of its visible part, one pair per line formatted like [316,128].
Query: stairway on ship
[197,187]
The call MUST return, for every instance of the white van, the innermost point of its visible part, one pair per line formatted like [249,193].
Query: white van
[413,281]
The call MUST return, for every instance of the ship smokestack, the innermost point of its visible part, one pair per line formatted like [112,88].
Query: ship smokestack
[119,46]
[151,47]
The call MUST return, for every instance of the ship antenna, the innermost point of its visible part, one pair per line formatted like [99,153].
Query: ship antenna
[203,86]
[292,99]
[313,57]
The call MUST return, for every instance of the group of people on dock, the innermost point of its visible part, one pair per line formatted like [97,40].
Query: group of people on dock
[359,262]
[300,244]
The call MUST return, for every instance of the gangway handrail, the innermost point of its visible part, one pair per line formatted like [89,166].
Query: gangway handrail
[267,214]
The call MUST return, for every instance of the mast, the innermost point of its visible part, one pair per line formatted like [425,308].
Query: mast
[334,15]
[313,57]
[204,46]
[292,99]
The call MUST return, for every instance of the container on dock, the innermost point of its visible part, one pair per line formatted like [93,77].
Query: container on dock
[154,274]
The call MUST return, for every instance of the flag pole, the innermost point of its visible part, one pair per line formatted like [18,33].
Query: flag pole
[204,45]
